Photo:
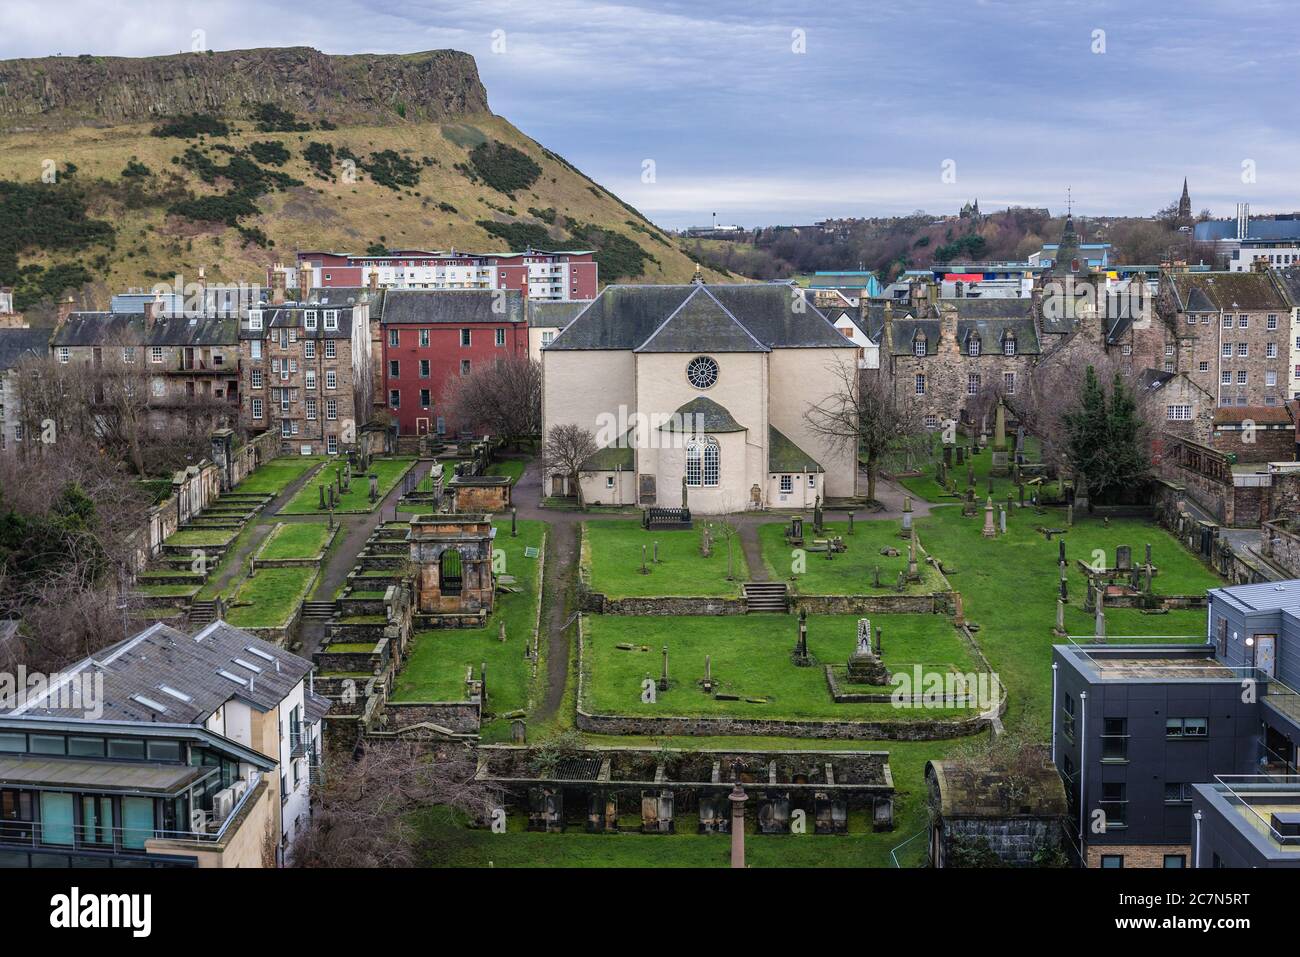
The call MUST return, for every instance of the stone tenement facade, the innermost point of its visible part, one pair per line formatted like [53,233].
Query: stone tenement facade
[306,371]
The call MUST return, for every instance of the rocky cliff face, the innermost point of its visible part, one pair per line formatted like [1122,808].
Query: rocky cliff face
[63,92]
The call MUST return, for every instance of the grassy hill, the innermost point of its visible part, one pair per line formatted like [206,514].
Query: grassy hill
[129,207]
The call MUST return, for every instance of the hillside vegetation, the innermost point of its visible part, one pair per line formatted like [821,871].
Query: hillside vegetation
[237,188]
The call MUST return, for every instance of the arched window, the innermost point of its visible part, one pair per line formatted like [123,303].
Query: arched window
[450,572]
[703,462]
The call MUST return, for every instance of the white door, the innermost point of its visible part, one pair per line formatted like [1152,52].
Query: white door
[1266,654]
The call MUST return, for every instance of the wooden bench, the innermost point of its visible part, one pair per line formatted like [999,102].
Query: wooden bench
[665,518]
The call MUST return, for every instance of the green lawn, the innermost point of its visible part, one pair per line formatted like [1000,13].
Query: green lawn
[202,537]
[436,668]
[511,467]
[614,551]
[273,477]
[751,658]
[357,497]
[926,486]
[295,540]
[271,596]
[449,844]
[1009,586]
[850,572]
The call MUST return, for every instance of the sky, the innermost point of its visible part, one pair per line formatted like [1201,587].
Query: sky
[785,113]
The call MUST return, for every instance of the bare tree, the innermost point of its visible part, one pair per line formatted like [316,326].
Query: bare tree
[565,449]
[862,414]
[367,805]
[728,526]
[503,398]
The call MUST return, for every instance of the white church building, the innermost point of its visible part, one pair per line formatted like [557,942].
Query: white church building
[703,383]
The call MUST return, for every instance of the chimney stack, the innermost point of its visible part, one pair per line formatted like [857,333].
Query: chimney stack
[304,281]
[65,310]
[373,280]
[278,279]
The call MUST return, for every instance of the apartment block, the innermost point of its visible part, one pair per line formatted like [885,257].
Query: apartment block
[163,750]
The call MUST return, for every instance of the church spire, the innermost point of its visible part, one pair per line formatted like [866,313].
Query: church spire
[1185,203]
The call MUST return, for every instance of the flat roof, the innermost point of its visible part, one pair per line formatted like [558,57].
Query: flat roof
[1147,662]
[35,771]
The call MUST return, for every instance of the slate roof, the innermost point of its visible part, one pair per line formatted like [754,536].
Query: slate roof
[620,455]
[451,306]
[1290,281]
[17,344]
[626,316]
[1229,291]
[997,792]
[107,328]
[1259,414]
[713,416]
[991,333]
[290,316]
[136,670]
[784,456]
[551,314]
[699,319]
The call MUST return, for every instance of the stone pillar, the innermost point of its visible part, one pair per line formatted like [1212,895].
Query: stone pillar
[989,530]
[738,798]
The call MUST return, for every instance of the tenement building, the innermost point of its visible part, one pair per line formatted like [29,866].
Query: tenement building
[699,393]
[306,370]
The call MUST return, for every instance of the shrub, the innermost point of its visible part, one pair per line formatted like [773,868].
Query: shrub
[503,167]
[270,118]
[269,151]
[191,125]
[517,235]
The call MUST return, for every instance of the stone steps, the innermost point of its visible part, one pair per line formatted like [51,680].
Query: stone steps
[767,597]
[203,612]
[317,610]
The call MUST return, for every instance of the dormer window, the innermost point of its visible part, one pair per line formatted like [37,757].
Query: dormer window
[309,320]
[973,346]
[331,319]
[1009,345]
[255,320]
[919,345]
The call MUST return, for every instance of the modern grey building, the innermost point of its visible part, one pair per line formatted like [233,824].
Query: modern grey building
[1137,727]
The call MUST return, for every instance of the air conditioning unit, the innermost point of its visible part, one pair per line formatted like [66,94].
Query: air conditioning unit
[222,803]
[198,820]
[239,788]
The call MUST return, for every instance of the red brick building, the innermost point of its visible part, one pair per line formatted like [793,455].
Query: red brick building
[431,336]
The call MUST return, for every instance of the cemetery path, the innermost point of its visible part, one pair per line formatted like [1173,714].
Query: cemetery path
[891,494]
[753,550]
[354,531]
[561,554]
[237,561]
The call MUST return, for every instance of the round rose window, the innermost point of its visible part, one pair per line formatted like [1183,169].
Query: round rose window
[702,372]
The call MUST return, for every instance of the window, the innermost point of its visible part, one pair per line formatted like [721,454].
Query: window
[309,379]
[332,409]
[394,369]
[703,462]
[919,346]
[424,368]
[1241,377]
[1178,793]
[1271,322]
[424,398]
[1186,727]
[920,383]
[465,338]
[255,320]
[1009,383]
[158,387]
[257,408]
[702,372]
[331,379]
[931,421]
[65,354]
[330,349]
[395,398]
[331,319]
[1227,322]
[609,481]
[1270,378]
[812,481]
[1225,378]
[286,429]
[1175,861]
[973,383]
[309,349]
[787,484]
[1243,349]
[1243,322]
[1270,350]
[1009,346]
[311,408]
[1112,861]
[501,337]
[1114,803]
[548,336]
[256,377]
[1114,739]
[973,345]
[1203,367]
[394,337]
[1227,350]
[464,367]
[332,444]
[309,319]
[128,353]
[424,337]
[255,349]
[1169,349]
[1179,413]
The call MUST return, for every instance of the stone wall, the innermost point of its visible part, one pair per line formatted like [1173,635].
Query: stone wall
[462,717]
[1015,840]
[885,604]
[597,603]
[1281,545]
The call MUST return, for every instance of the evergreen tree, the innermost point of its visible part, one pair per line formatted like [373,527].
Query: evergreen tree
[1126,458]
[1086,439]
[1104,439]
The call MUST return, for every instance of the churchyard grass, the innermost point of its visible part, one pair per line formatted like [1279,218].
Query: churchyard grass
[849,572]
[1009,587]
[269,598]
[202,537]
[273,477]
[357,497]
[926,486]
[295,540]
[614,550]
[435,670]
[751,658]
[513,468]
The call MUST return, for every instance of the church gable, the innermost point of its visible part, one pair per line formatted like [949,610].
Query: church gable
[701,324]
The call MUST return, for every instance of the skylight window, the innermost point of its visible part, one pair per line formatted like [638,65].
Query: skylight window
[245,664]
[149,703]
[234,678]
[178,695]
[265,656]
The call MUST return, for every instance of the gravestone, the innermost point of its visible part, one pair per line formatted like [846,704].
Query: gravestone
[1002,520]
[864,665]
[989,531]
[518,731]
[961,455]
[801,658]
[663,677]
[907,514]
[1123,558]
